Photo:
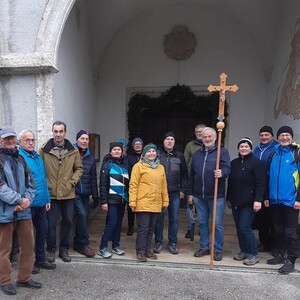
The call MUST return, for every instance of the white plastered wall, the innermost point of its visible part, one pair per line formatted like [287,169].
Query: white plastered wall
[135,58]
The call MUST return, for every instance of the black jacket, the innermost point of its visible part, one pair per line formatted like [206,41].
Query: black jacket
[247,181]
[132,159]
[88,183]
[176,170]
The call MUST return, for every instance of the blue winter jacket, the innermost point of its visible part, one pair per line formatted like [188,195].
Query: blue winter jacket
[263,152]
[15,183]
[284,176]
[37,168]
[202,180]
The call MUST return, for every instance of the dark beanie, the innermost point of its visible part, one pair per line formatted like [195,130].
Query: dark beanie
[245,140]
[169,133]
[266,128]
[148,147]
[80,133]
[115,144]
[137,139]
[285,129]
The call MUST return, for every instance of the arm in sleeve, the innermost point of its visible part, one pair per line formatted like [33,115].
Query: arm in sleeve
[77,168]
[104,182]
[183,175]
[225,163]
[260,180]
[134,184]
[165,195]
[94,184]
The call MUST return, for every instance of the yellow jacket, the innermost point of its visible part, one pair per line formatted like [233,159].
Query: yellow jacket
[148,188]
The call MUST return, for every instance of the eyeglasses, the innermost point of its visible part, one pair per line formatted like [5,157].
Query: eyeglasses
[27,141]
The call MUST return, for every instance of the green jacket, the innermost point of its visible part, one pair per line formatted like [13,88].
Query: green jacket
[190,148]
[63,172]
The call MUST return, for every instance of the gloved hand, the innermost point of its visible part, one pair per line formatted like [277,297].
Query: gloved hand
[95,203]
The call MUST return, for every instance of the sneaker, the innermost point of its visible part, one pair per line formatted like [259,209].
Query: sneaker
[201,253]
[51,257]
[218,256]
[141,257]
[130,231]
[158,248]
[279,259]
[118,251]
[104,253]
[173,249]
[151,255]
[188,234]
[45,265]
[87,251]
[240,256]
[251,260]
[64,255]
[287,268]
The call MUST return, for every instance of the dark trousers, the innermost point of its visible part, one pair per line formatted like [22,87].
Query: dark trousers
[112,229]
[39,219]
[263,223]
[243,218]
[146,224]
[65,209]
[81,239]
[130,217]
[24,231]
[285,221]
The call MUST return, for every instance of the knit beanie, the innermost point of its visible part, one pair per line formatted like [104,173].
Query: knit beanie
[285,129]
[148,147]
[137,139]
[245,140]
[266,128]
[115,144]
[80,133]
[168,134]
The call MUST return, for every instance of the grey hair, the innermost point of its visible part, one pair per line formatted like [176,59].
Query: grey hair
[22,133]
[211,129]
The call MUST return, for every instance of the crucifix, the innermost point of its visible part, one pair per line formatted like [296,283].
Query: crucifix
[222,89]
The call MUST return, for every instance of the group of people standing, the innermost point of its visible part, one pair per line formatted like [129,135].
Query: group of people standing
[36,188]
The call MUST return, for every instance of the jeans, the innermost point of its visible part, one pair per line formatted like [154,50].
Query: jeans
[204,209]
[81,206]
[173,211]
[112,229]
[39,219]
[243,218]
[66,209]
[145,223]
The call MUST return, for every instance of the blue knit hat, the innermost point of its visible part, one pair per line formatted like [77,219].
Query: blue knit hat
[137,139]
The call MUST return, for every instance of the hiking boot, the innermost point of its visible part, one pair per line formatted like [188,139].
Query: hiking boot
[130,231]
[35,270]
[158,248]
[218,256]
[201,253]
[141,257]
[8,289]
[45,265]
[151,255]
[287,268]
[104,253]
[251,260]
[188,234]
[173,249]
[279,259]
[118,251]
[51,257]
[64,256]
[240,256]
[87,251]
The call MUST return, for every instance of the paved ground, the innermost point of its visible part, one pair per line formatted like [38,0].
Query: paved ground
[127,279]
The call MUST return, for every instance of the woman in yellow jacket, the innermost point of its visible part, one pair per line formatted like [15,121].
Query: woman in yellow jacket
[148,195]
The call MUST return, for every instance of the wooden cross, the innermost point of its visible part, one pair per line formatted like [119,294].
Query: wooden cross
[222,88]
